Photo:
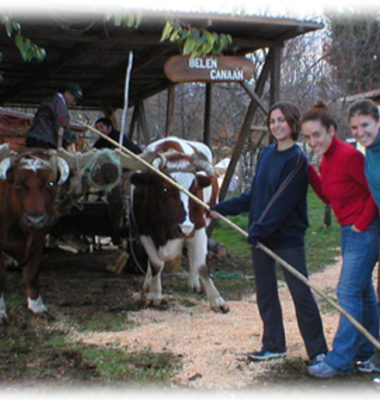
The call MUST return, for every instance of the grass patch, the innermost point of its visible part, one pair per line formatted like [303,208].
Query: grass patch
[100,321]
[235,242]
[322,244]
[118,364]
[36,351]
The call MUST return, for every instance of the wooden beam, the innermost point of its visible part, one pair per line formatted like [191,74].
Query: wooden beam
[255,97]
[142,124]
[245,129]
[275,75]
[207,115]
[117,73]
[169,110]
[133,122]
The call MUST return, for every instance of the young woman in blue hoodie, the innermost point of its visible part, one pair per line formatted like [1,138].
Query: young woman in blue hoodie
[277,207]
[364,120]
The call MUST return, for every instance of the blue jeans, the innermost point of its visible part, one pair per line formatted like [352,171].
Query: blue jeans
[307,313]
[356,295]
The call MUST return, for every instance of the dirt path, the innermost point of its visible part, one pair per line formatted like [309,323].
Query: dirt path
[212,346]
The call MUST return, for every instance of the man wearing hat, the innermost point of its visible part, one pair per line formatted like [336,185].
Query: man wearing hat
[51,115]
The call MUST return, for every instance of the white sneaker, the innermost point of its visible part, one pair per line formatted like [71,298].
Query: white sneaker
[376,381]
[367,366]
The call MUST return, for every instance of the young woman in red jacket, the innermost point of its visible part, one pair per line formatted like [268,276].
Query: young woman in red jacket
[341,183]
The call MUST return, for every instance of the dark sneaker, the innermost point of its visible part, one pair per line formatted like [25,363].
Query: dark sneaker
[323,371]
[318,358]
[265,355]
[367,366]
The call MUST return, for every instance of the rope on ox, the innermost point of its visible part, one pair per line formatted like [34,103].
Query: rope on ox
[265,249]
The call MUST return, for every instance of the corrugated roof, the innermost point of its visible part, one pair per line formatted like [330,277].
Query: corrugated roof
[86,49]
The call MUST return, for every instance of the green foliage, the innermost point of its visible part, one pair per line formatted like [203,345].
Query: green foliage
[131,20]
[322,244]
[28,50]
[234,242]
[115,364]
[195,42]
[103,321]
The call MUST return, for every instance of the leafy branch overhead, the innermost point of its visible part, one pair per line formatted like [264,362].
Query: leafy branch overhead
[125,20]
[196,42]
[27,48]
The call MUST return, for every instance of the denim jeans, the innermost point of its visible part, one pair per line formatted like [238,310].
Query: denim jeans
[307,313]
[356,294]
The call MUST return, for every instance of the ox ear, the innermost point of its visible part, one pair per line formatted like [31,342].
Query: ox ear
[4,168]
[203,180]
[64,170]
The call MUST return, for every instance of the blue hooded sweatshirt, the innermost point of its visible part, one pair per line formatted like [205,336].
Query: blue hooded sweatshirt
[372,169]
[276,201]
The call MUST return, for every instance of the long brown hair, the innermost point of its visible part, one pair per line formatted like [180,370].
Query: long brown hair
[292,116]
[319,112]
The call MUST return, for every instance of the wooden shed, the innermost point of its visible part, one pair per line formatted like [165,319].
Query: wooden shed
[373,95]
[88,49]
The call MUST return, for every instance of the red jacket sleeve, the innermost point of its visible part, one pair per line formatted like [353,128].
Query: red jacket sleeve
[315,182]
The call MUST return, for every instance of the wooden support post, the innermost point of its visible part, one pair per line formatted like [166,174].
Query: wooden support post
[133,122]
[142,124]
[169,110]
[275,75]
[245,129]
[275,80]
[207,115]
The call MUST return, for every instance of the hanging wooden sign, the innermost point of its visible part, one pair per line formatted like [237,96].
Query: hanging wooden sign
[208,69]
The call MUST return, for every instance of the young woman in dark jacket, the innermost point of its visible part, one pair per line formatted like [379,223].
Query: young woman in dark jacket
[277,207]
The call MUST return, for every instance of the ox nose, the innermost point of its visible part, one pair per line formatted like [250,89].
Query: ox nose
[34,221]
[187,229]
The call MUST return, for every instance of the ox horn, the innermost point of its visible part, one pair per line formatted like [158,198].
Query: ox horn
[130,163]
[4,167]
[4,151]
[64,170]
[205,166]
[159,162]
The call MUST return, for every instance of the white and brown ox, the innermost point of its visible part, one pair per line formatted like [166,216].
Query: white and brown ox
[167,218]
[30,184]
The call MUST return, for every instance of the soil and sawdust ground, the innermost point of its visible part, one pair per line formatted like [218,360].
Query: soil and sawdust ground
[211,346]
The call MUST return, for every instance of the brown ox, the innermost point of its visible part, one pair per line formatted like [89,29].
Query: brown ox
[30,185]
[167,218]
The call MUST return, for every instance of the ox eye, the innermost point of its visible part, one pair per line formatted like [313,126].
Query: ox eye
[51,184]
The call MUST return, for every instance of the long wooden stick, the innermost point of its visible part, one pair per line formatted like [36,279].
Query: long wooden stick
[265,249]
[126,98]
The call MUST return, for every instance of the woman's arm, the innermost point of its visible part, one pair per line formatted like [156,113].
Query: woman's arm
[316,183]
[235,205]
